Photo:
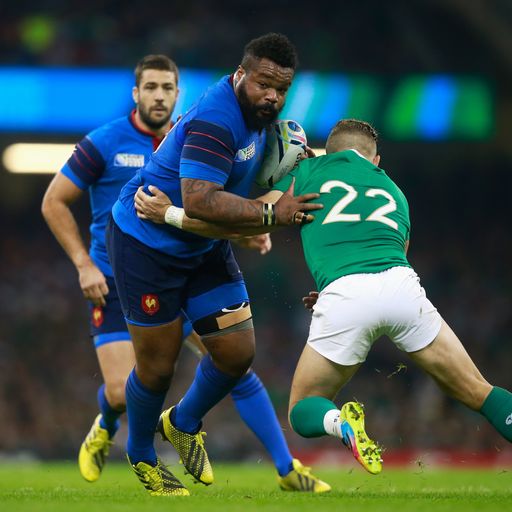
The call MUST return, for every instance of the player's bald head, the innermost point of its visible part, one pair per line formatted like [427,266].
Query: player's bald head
[353,134]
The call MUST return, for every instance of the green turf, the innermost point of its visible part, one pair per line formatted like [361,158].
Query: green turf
[57,487]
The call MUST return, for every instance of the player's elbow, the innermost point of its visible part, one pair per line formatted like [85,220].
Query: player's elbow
[197,208]
[51,207]
[47,206]
[199,199]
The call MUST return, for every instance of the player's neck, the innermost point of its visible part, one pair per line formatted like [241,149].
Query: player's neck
[143,127]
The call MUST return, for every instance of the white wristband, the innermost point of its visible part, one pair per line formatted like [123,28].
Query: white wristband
[174,216]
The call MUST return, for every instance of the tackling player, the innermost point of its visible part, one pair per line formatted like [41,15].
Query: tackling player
[356,251]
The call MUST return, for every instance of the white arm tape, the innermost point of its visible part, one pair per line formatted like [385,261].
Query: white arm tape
[174,216]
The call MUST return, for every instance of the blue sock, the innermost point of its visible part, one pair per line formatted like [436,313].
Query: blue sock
[109,417]
[143,408]
[209,387]
[256,409]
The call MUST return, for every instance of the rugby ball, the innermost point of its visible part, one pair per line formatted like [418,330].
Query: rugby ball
[286,142]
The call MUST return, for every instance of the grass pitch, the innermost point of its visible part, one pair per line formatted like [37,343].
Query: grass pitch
[58,487]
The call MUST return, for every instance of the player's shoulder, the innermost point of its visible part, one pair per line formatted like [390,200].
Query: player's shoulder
[114,127]
[392,185]
[111,130]
[106,136]
[219,105]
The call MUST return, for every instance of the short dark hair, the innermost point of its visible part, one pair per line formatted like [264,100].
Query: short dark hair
[161,62]
[352,133]
[273,46]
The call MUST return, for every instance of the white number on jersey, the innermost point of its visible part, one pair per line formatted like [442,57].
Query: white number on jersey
[379,215]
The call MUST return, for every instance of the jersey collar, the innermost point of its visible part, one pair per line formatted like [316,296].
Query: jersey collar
[357,153]
[156,140]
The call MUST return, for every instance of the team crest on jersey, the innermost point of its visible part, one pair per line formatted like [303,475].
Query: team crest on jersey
[128,160]
[246,153]
[97,316]
[150,304]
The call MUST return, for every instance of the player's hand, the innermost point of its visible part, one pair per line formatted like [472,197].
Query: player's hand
[310,153]
[310,301]
[152,207]
[93,284]
[261,243]
[294,210]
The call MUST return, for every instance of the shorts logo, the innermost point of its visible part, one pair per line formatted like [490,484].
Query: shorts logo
[508,421]
[150,304]
[97,316]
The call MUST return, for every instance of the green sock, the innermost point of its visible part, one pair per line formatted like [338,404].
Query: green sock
[307,416]
[497,408]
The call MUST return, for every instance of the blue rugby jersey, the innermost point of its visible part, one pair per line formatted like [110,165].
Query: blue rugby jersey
[102,162]
[210,142]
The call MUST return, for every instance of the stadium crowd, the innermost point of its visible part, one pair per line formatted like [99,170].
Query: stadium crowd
[201,33]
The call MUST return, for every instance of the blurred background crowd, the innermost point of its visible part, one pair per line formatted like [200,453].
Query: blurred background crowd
[459,196]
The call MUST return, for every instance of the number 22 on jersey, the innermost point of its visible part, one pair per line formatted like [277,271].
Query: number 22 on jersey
[336,214]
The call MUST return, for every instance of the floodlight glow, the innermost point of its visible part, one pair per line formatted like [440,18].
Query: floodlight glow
[36,158]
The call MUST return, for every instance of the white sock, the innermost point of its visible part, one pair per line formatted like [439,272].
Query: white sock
[332,423]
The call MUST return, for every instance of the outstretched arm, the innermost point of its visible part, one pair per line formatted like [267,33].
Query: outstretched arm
[208,201]
[158,208]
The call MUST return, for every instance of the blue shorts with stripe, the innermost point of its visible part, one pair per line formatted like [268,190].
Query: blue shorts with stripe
[154,287]
[107,323]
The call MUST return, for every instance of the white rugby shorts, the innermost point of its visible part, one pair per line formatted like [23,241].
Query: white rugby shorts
[355,310]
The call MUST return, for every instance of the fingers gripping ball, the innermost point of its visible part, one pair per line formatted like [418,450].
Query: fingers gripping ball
[286,142]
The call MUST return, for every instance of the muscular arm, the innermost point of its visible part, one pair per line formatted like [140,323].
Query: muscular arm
[208,201]
[212,230]
[236,230]
[153,207]
[59,197]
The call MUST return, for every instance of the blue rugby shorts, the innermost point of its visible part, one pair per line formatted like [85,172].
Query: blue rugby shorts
[154,287]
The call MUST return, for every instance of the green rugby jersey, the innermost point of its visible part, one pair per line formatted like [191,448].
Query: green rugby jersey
[365,221]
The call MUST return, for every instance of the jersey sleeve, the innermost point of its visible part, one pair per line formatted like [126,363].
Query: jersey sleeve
[85,166]
[208,152]
[283,184]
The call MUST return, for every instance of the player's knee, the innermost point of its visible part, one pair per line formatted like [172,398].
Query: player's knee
[235,358]
[115,392]
[156,376]
[241,363]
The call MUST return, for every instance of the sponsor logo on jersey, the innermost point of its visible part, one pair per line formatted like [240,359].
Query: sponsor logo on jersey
[150,304]
[508,421]
[246,153]
[128,160]
[97,316]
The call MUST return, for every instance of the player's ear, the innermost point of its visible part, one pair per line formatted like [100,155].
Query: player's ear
[239,73]
[135,94]
[376,160]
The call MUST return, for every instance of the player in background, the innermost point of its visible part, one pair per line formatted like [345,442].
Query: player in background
[101,164]
[207,163]
[356,251]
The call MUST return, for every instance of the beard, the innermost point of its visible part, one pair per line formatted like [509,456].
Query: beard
[154,124]
[256,117]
